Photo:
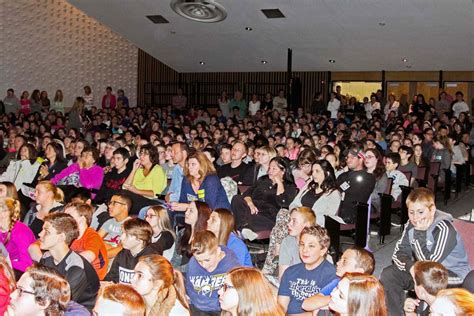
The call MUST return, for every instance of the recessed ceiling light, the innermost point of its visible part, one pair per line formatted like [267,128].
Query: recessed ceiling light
[202,63]
[248,28]
[332,61]
[382,23]
[404,60]
[264,62]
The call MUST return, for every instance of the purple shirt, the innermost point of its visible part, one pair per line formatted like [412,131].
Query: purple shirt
[89,178]
[21,238]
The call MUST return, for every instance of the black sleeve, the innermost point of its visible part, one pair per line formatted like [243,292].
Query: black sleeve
[113,275]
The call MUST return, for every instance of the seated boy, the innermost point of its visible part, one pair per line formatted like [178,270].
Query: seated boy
[428,236]
[354,259]
[206,273]
[430,278]
[136,238]
[59,231]
[392,161]
[100,214]
[119,206]
[307,278]
[89,244]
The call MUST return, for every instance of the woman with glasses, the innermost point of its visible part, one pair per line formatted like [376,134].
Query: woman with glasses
[40,291]
[256,210]
[163,234]
[147,179]
[247,292]
[161,287]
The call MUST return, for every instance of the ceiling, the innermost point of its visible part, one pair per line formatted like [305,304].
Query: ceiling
[430,34]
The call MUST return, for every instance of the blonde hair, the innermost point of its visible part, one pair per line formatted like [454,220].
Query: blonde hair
[366,295]
[255,293]
[161,269]
[11,206]
[461,298]
[205,166]
[126,296]
[58,194]
[307,213]
[421,195]
[164,223]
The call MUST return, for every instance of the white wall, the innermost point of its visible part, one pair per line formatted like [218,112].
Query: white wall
[50,45]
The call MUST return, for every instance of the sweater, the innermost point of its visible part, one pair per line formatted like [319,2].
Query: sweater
[88,178]
[210,191]
[21,237]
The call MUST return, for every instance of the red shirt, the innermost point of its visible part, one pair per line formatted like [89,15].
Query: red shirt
[92,241]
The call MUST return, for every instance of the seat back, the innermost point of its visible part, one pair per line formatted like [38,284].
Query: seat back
[435,167]
[388,188]
[408,175]
[421,173]
[465,229]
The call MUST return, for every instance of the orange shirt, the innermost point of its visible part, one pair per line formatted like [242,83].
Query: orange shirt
[91,241]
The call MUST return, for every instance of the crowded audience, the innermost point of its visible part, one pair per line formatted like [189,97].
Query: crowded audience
[111,209]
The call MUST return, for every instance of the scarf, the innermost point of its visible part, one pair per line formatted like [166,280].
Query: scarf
[164,302]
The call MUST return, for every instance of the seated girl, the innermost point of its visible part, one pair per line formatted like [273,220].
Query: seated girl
[163,234]
[221,223]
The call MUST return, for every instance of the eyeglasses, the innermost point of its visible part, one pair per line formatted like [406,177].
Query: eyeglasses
[226,286]
[21,291]
[116,202]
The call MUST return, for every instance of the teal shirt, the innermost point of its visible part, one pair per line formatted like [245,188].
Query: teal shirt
[242,105]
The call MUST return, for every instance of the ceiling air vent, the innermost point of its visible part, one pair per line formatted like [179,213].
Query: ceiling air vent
[157,19]
[273,13]
[199,10]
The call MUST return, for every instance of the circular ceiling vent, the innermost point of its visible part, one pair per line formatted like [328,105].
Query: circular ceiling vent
[199,10]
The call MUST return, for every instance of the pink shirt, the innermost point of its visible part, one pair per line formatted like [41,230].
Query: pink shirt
[20,239]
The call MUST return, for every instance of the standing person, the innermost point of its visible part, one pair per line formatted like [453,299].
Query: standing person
[206,273]
[426,226]
[179,101]
[75,114]
[109,101]
[247,292]
[59,231]
[222,224]
[267,103]
[58,102]
[35,101]
[279,102]
[15,235]
[317,105]
[333,105]
[25,103]
[122,98]
[45,102]
[11,102]
[238,102]
[460,106]
[161,287]
[223,102]
[254,105]
[309,277]
[88,98]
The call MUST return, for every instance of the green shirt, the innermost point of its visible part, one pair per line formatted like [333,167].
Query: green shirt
[155,180]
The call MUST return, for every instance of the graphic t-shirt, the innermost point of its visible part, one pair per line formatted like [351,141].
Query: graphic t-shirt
[113,230]
[299,283]
[202,286]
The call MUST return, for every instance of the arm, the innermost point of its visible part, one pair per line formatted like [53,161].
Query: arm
[402,255]
[113,275]
[112,251]
[316,302]
[64,173]
[283,301]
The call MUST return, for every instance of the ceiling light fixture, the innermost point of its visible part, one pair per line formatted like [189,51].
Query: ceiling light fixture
[404,60]
[264,62]
[202,63]
[248,28]
[332,61]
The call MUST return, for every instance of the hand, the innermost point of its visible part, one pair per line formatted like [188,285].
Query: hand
[411,305]
[137,164]
[253,209]
[423,224]
[107,169]
[181,207]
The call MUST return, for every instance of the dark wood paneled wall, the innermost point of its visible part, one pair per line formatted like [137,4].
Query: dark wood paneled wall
[156,78]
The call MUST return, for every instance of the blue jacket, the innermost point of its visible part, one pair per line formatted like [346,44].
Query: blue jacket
[240,249]
[211,191]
